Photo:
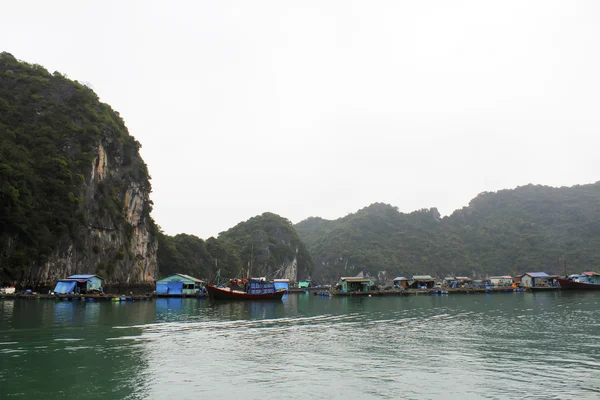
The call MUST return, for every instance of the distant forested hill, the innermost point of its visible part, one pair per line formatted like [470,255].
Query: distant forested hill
[268,241]
[510,231]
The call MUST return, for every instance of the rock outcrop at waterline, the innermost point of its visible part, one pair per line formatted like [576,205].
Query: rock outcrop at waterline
[74,191]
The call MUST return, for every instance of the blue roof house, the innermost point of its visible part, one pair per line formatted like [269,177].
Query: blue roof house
[530,279]
[83,283]
[179,285]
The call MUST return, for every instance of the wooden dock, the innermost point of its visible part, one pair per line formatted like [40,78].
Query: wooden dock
[544,288]
[196,296]
[76,297]
[444,291]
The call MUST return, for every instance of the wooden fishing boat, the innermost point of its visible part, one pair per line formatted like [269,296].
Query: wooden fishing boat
[253,289]
[585,281]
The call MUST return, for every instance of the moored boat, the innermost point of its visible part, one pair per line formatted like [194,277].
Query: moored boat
[585,281]
[252,289]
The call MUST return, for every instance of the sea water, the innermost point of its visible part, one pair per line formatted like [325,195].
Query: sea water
[502,345]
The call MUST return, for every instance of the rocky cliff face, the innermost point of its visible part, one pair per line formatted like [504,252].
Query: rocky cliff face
[120,246]
[75,195]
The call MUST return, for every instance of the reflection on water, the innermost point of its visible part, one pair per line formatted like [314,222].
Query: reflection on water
[469,346]
[64,350]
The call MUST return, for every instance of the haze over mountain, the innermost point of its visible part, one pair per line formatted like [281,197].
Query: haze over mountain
[323,107]
[530,228]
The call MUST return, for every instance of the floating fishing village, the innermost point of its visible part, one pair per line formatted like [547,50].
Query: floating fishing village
[89,287]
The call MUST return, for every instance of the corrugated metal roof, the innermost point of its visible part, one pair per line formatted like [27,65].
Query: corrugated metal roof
[191,278]
[501,276]
[537,274]
[355,279]
[422,278]
[83,276]
[400,278]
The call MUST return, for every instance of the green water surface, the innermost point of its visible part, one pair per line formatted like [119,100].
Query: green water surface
[509,345]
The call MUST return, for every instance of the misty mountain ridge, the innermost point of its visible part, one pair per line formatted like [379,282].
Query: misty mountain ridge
[532,227]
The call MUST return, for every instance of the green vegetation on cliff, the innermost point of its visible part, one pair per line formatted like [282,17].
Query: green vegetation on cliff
[67,167]
[188,254]
[268,241]
[510,231]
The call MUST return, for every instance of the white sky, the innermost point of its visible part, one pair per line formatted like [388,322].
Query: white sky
[319,108]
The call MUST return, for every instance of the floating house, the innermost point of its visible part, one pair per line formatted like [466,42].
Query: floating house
[448,280]
[463,279]
[422,282]
[530,279]
[504,280]
[456,281]
[354,284]
[401,281]
[179,285]
[282,284]
[85,283]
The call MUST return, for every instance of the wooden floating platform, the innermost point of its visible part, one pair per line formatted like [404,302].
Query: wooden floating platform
[544,288]
[409,292]
[304,290]
[505,289]
[92,297]
[77,297]
[373,293]
[97,297]
[197,296]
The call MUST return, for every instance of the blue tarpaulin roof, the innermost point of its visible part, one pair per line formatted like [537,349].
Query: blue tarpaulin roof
[65,286]
[83,276]
[538,274]
[282,285]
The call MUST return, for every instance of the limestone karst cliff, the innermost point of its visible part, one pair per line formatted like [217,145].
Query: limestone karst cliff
[74,191]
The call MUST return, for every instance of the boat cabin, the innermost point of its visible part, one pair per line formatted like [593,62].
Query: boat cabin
[354,284]
[532,279]
[84,283]
[422,282]
[282,284]
[179,285]
[260,286]
[587,277]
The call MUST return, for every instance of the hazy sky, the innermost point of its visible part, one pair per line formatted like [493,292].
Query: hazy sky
[319,108]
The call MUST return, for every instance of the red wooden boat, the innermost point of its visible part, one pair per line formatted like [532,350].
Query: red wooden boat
[585,281]
[570,284]
[256,290]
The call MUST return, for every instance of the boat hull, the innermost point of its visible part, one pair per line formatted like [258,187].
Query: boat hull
[216,293]
[569,284]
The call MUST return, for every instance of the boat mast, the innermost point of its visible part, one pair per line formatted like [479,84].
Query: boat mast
[250,263]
